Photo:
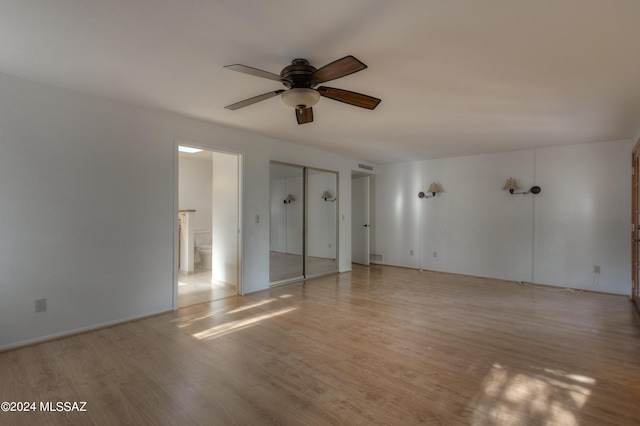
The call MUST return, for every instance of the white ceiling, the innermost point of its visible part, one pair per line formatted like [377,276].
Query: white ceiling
[456,77]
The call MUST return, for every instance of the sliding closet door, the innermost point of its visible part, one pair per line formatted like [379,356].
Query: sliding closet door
[322,222]
[286,226]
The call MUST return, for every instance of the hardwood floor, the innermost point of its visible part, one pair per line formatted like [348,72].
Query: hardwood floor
[198,288]
[379,345]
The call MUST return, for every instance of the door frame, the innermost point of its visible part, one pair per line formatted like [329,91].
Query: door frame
[635,226]
[176,207]
[367,249]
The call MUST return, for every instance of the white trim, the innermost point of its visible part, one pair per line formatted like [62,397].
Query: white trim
[176,206]
[75,331]
[241,159]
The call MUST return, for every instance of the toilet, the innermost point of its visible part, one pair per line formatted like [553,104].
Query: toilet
[203,248]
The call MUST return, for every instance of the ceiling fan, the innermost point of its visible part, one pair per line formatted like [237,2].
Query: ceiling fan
[300,78]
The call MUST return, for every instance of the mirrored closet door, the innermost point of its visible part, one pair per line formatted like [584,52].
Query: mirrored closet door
[303,222]
[286,224]
[322,223]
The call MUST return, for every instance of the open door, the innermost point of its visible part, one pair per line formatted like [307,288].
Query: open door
[360,219]
[635,234]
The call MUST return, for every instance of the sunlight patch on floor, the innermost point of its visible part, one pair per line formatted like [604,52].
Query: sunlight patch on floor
[188,320]
[546,397]
[231,326]
[253,305]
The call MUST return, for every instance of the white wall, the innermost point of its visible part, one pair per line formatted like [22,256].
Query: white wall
[475,227]
[580,219]
[88,217]
[395,213]
[584,218]
[195,186]
[225,223]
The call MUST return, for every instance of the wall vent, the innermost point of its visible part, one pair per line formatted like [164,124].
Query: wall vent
[364,166]
[375,257]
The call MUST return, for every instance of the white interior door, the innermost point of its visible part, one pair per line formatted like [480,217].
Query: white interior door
[360,224]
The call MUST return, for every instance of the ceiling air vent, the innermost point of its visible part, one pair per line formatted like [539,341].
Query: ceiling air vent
[364,166]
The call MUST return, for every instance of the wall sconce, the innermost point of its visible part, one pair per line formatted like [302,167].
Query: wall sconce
[289,199]
[434,188]
[327,195]
[512,186]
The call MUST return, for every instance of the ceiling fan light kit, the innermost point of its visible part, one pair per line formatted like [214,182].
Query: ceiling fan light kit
[300,98]
[300,78]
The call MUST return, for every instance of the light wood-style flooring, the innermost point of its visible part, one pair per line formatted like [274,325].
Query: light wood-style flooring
[378,345]
[197,288]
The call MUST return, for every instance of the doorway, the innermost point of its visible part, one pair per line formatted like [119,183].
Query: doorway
[360,218]
[303,222]
[208,239]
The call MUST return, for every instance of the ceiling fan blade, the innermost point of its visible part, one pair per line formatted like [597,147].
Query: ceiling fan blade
[304,115]
[253,100]
[254,71]
[351,98]
[336,69]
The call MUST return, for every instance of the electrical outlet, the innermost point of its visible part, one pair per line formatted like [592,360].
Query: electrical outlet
[435,254]
[411,252]
[41,305]
[596,269]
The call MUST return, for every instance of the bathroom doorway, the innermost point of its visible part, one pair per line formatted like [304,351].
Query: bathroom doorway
[208,245]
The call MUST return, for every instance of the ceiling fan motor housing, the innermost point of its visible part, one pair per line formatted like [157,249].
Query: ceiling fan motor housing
[298,74]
